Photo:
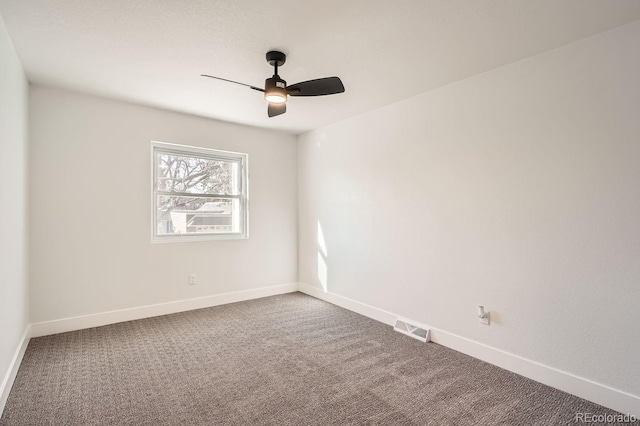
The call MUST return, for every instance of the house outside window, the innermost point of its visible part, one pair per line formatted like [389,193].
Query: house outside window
[198,193]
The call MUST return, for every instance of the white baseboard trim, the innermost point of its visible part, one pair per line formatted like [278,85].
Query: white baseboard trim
[63,325]
[10,376]
[350,304]
[615,399]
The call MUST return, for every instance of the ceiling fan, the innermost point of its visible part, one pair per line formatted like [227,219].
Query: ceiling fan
[276,89]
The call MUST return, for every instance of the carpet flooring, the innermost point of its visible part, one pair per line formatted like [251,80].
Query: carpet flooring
[282,360]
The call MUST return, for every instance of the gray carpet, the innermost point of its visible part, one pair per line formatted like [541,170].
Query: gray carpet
[282,360]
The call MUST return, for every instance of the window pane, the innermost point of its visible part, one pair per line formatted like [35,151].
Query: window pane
[196,175]
[197,215]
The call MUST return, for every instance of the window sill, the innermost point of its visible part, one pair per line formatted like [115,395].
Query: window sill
[192,238]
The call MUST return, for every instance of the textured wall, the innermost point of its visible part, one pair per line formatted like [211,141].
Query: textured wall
[90,208]
[516,189]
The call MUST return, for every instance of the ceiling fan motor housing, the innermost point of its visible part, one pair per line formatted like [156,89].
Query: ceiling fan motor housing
[275,89]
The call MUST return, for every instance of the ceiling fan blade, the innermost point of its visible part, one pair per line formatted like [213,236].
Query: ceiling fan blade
[231,81]
[276,109]
[317,87]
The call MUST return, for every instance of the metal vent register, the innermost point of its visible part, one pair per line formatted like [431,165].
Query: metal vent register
[412,329]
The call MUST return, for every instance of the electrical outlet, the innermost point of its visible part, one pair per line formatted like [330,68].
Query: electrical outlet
[486,320]
[193,279]
[484,316]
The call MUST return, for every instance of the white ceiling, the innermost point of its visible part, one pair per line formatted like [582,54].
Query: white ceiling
[153,51]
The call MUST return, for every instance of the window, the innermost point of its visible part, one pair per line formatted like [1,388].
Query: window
[198,193]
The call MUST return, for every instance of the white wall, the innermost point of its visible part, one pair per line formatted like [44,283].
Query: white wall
[14,307]
[518,189]
[90,208]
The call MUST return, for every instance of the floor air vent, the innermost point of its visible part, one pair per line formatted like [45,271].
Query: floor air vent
[412,329]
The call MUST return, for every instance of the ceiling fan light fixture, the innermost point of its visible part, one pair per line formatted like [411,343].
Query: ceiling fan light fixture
[275,90]
[275,98]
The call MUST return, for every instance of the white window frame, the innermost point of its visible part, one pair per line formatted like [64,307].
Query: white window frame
[243,193]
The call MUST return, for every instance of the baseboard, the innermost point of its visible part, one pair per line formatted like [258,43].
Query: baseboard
[350,304]
[584,388]
[10,376]
[105,318]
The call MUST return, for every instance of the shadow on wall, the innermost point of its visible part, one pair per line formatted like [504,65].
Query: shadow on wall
[322,259]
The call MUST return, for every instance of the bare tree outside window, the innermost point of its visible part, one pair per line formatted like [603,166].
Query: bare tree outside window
[194,176]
